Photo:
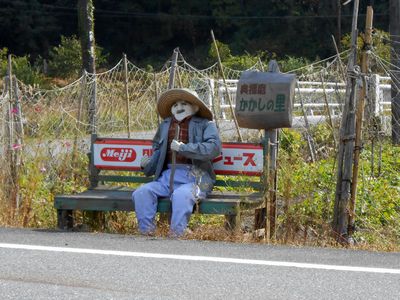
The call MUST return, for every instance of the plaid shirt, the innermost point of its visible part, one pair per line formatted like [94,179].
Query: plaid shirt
[183,137]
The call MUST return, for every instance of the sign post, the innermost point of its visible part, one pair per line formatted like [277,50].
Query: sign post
[265,101]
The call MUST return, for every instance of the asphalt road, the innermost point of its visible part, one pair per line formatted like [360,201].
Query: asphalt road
[37,264]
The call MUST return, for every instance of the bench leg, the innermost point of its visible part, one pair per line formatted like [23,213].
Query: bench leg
[65,219]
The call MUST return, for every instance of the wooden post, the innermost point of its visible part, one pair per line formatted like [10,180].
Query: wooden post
[9,106]
[11,178]
[394,11]
[18,140]
[271,174]
[178,76]
[128,114]
[18,114]
[273,141]
[266,183]
[174,62]
[359,117]
[346,143]
[226,89]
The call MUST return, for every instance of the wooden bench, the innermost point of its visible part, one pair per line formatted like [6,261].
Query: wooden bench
[239,167]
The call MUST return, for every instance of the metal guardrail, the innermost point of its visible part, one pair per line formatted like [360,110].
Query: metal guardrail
[313,94]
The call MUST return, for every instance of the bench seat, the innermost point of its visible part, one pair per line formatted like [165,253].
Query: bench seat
[106,198]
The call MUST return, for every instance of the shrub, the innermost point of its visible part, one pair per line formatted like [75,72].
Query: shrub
[21,68]
[66,59]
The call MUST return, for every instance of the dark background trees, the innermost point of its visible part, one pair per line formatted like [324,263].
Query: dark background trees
[147,31]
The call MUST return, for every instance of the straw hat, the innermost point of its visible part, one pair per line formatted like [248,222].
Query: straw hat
[168,98]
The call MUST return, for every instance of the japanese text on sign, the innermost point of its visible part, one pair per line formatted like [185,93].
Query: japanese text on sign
[260,105]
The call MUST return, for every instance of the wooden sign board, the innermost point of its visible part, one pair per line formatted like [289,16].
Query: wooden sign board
[264,100]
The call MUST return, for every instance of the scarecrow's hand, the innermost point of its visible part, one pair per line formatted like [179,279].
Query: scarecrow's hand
[175,145]
[144,161]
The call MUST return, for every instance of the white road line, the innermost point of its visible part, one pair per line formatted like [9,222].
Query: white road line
[202,258]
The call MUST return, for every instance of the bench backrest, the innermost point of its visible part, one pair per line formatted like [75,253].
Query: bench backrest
[236,159]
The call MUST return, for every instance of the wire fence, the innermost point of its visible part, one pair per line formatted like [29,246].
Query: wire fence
[45,138]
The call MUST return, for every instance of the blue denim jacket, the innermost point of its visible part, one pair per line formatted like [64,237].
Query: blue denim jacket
[203,146]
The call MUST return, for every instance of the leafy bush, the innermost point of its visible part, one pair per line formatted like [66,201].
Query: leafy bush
[290,63]
[21,68]
[66,58]
[247,60]
[223,49]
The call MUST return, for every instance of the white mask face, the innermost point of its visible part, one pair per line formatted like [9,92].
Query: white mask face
[182,109]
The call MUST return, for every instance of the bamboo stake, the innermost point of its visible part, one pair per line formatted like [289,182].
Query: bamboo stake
[165,216]
[174,61]
[359,118]
[170,86]
[178,75]
[9,105]
[19,138]
[11,155]
[226,88]
[128,113]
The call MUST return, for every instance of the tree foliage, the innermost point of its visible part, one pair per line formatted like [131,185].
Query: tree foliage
[148,31]
[66,58]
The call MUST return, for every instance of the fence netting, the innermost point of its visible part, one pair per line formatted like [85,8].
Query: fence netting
[45,135]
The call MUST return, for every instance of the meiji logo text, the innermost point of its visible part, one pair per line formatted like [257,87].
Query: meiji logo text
[118,154]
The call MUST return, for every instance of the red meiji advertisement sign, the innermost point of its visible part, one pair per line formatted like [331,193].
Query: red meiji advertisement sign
[120,154]
[126,154]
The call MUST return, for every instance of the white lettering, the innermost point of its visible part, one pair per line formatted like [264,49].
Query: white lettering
[110,153]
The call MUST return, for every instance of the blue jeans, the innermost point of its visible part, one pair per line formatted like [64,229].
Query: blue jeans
[183,198]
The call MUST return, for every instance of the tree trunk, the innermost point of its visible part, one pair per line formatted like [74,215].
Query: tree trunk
[86,36]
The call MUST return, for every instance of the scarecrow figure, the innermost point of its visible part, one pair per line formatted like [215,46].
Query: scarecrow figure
[184,146]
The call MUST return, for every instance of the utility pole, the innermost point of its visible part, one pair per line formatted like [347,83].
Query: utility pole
[394,28]
[346,142]
[86,36]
